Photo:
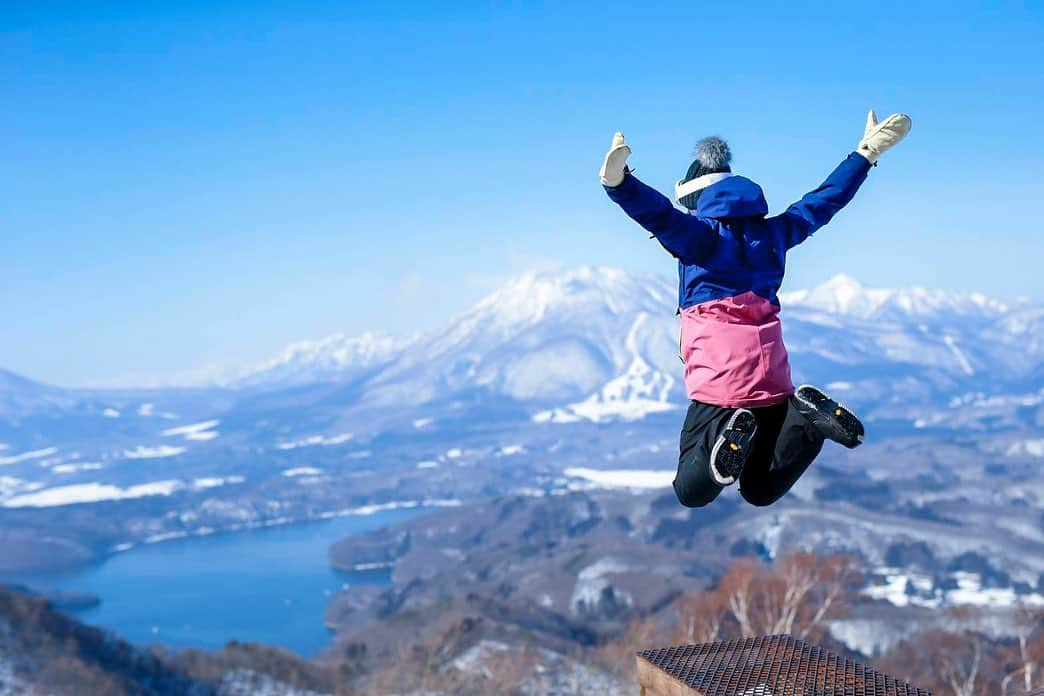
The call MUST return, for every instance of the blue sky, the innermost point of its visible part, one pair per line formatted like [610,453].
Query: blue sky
[201,183]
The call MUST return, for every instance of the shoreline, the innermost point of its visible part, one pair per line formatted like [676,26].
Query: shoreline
[27,576]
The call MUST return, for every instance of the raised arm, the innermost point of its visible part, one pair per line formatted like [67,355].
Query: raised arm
[686,237]
[817,207]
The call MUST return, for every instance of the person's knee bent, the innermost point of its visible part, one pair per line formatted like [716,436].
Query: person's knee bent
[693,497]
[761,498]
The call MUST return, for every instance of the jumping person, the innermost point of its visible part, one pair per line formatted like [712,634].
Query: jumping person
[746,421]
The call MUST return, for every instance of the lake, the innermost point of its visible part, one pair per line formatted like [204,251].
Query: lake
[268,585]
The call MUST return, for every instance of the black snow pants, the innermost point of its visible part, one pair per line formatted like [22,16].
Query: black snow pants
[784,446]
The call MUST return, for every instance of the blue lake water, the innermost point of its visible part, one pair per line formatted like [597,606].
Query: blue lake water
[269,585]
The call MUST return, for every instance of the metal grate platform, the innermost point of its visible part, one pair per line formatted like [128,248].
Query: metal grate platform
[763,666]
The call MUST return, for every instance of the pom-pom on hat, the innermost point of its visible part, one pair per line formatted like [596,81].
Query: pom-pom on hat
[712,164]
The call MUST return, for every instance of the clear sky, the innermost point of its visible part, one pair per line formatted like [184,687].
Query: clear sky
[200,183]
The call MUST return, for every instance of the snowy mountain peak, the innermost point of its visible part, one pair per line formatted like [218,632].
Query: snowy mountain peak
[528,298]
[844,295]
[336,355]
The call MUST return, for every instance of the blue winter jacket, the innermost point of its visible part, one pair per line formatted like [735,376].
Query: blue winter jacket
[731,259]
[728,247]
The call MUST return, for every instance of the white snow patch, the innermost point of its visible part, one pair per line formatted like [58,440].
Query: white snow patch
[641,390]
[91,493]
[194,431]
[73,468]
[965,365]
[143,452]
[9,485]
[302,471]
[27,456]
[623,478]
[374,508]
[1034,448]
[591,582]
[216,481]
[902,588]
[316,441]
[474,659]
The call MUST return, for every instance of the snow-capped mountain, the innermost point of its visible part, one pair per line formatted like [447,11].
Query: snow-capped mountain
[541,338]
[599,343]
[843,295]
[336,357]
[530,374]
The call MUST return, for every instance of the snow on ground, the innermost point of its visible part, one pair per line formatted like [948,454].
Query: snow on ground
[90,493]
[28,456]
[194,431]
[396,505]
[9,485]
[316,440]
[143,452]
[215,481]
[245,682]
[73,468]
[111,413]
[592,582]
[1034,448]
[641,390]
[96,492]
[961,359]
[599,409]
[302,471]
[622,478]
[902,588]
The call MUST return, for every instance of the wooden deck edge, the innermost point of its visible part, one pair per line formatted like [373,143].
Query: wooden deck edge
[655,682]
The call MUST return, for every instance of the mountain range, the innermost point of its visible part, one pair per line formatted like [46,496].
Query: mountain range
[531,375]
[601,344]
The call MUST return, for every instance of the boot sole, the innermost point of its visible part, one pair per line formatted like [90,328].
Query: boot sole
[831,417]
[731,451]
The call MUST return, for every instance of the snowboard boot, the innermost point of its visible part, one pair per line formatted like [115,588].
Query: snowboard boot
[732,450]
[829,417]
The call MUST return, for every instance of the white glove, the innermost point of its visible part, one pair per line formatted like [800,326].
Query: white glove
[615,165]
[879,137]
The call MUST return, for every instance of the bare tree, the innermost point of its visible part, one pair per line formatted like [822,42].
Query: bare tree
[1029,634]
[701,617]
[957,659]
[797,595]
